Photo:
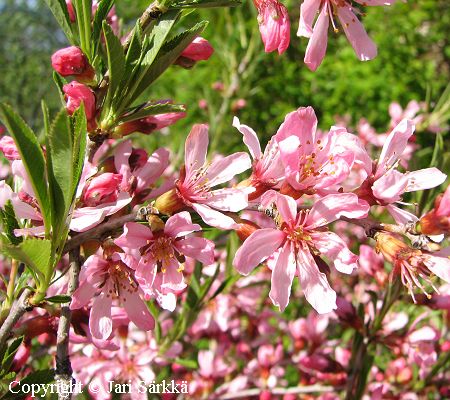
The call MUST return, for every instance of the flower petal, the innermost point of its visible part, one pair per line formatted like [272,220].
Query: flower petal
[282,275]
[196,247]
[224,169]
[301,123]
[333,206]
[424,179]
[250,138]
[137,310]
[390,187]
[152,170]
[256,248]
[214,218]
[100,321]
[440,266]
[134,236]
[314,283]
[180,225]
[364,47]
[196,148]
[308,11]
[317,45]
[228,199]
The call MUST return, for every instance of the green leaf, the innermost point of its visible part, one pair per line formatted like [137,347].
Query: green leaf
[191,364]
[151,109]
[168,54]
[59,299]
[152,45]
[104,6]
[9,354]
[116,63]
[83,11]
[79,146]
[61,14]
[34,253]
[9,223]
[32,158]
[59,170]
[38,377]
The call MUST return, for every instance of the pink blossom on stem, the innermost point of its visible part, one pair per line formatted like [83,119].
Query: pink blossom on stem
[72,61]
[293,248]
[363,46]
[199,50]
[75,94]
[198,177]
[274,25]
[9,149]
[112,280]
[160,254]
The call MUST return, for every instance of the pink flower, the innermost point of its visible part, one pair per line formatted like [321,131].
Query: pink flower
[199,50]
[294,247]
[385,184]
[158,256]
[364,48]
[198,177]
[267,170]
[72,61]
[437,221]
[102,189]
[314,163]
[274,25]
[75,93]
[113,281]
[9,149]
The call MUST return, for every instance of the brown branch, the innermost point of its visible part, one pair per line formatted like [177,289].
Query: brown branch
[99,232]
[63,373]
[18,309]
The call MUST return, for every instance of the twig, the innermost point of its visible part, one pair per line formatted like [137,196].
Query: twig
[63,373]
[280,391]
[17,311]
[98,232]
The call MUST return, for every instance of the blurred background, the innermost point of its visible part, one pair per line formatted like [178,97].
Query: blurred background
[240,79]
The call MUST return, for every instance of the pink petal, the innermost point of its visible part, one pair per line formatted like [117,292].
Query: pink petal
[167,301]
[394,146]
[376,2]
[196,247]
[424,179]
[84,293]
[214,218]
[122,155]
[336,250]
[364,47]
[440,266]
[134,236]
[308,11]
[290,155]
[137,310]
[256,248]
[152,170]
[314,283]
[34,231]
[333,206]
[228,199]
[172,277]
[444,206]
[317,45]
[282,276]
[250,138]
[301,123]
[401,216]
[100,321]
[196,148]
[5,193]
[286,205]
[390,187]
[180,225]
[226,168]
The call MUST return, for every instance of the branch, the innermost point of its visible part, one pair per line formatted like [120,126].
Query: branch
[17,311]
[63,373]
[99,232]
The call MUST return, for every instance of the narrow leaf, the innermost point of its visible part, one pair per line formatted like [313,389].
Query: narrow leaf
[32,157]
[152,109]
[61,14]
[103,9]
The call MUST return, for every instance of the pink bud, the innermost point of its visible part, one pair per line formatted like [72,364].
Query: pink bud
[199,50]
[70,10]
[77,93]
[72,61]
[102,189]
[149,124]
[9,149]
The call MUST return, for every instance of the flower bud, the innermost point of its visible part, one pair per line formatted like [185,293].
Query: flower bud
[75,93]
[169,203]
[199,50]
[390,245]
[437,221]
[102,189]
[9,149]
[72,61]
[70,10]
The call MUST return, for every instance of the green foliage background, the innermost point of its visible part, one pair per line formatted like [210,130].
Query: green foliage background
[413,63]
